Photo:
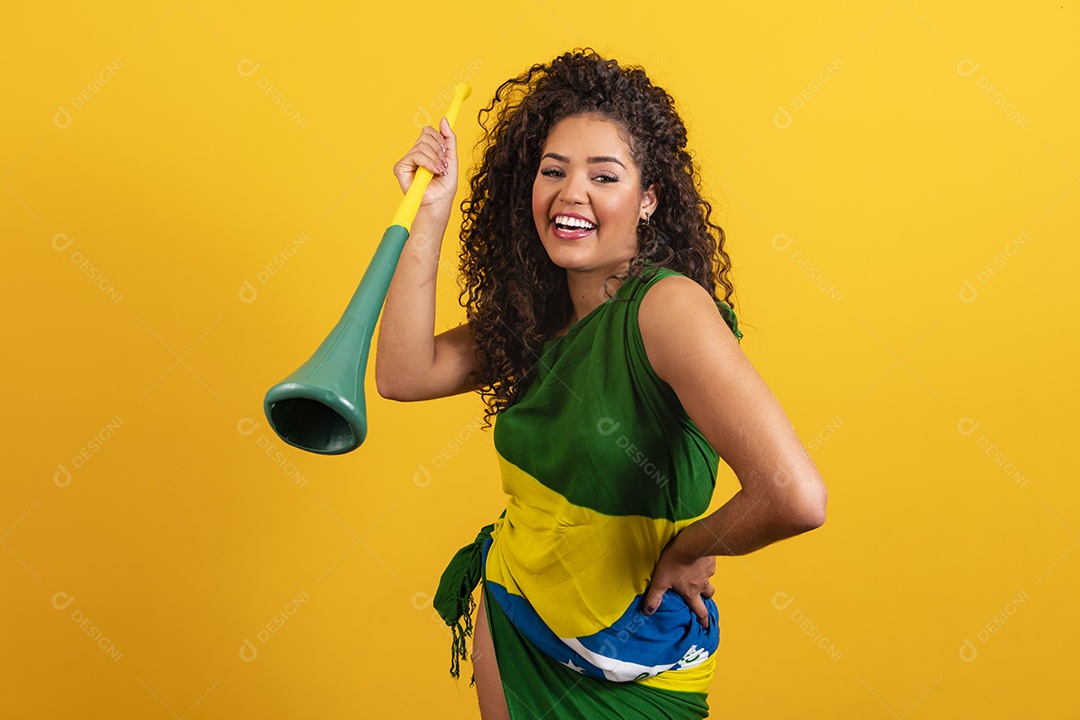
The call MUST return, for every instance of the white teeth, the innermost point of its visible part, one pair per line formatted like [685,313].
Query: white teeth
[567,221]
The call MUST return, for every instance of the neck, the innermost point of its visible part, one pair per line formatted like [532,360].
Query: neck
[587,289]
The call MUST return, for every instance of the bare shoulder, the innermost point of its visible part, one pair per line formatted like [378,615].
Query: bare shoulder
[677,292]
[679,322]
[692,349]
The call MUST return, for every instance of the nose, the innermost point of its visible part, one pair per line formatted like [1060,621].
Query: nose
[574,190]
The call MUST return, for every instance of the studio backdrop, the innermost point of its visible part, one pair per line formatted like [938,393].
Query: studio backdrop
[191,193]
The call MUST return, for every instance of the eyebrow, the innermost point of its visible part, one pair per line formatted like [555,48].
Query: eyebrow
[591,160]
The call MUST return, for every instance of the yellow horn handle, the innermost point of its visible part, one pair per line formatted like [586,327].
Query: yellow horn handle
[410,204]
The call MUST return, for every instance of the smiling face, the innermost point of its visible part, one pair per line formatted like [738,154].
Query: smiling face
[587,198]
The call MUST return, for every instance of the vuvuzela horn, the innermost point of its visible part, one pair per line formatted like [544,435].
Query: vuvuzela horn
[320,407]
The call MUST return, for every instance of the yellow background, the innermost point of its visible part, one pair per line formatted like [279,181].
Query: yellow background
[181,240]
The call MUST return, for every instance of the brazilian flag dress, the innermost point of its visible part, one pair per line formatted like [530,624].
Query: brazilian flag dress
[602,467]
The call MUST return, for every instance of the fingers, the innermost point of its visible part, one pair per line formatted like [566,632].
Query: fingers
[697,606]
[434,150]
[445,142]
[689,580]
[430,151]
[448,136]
[652,599]
[651,602]
[433,160]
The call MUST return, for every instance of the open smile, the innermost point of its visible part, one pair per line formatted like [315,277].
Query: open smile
[571,226]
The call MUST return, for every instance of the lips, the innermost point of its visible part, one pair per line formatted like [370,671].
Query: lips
[571,226]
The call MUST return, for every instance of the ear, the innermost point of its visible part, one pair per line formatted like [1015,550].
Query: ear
[649,200]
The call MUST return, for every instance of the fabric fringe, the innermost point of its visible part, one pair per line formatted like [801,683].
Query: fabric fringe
[454,601]
[461,630]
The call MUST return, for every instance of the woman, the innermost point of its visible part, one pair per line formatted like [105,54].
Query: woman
[600,336]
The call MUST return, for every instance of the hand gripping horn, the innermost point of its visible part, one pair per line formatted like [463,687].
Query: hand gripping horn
[320,407]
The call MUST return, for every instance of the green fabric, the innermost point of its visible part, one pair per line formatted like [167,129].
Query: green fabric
[598,427]
[638,430]
[453,599]
[536,686]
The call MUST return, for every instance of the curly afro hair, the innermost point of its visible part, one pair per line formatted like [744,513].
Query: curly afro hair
[515,297]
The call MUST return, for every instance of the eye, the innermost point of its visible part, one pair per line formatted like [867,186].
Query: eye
[551,172]
[606,178]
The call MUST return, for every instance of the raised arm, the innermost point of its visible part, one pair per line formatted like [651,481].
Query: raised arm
[411,362]
[691,348]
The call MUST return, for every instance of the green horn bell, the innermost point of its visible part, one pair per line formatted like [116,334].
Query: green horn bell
[320,407]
